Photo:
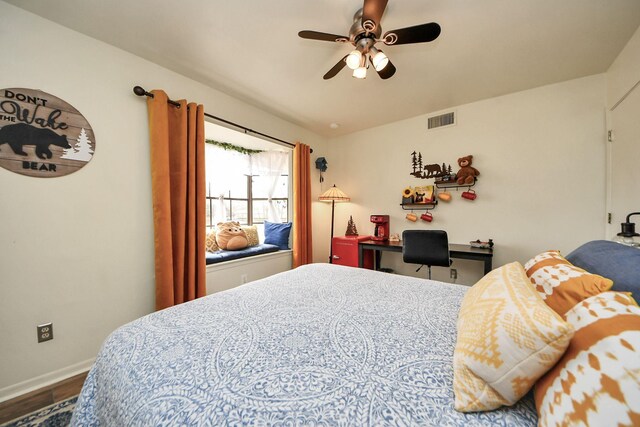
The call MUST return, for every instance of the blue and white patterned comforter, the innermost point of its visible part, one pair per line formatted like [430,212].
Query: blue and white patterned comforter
[321,345]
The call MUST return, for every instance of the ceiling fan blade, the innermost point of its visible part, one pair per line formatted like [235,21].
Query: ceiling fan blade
[336,68]
[315,35]
[387,71]
[372,13]
[417,34]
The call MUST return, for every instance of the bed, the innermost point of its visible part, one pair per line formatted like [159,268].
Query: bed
[321,345]
[318,345]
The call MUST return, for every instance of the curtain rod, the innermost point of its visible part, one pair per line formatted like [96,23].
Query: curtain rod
[138,90]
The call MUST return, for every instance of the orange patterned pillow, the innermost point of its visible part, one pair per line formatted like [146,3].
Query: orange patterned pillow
[561,284]
[597,381]
[507,339]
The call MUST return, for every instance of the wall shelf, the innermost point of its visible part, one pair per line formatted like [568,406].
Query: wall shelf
[453,184]
[419,206]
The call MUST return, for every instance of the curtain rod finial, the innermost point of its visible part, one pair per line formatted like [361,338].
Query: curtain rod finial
[139,91]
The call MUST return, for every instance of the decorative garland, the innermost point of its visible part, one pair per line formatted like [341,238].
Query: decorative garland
[227,146]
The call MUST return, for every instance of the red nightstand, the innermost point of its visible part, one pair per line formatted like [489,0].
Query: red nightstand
[345,251]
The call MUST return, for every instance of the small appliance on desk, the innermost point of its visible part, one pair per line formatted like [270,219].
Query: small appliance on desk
[481,245]
[381,231]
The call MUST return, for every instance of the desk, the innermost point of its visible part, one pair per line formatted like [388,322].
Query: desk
[455,251]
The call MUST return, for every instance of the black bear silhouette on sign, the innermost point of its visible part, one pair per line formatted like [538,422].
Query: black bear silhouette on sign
[21,134]
[433,170]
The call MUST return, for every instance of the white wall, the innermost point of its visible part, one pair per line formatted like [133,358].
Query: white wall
[541,157]
[78,250]
[624,150]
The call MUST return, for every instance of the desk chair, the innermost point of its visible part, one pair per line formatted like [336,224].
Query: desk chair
[426,247]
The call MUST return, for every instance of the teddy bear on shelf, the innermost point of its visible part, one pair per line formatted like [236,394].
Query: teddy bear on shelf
[230,236]
[466,174]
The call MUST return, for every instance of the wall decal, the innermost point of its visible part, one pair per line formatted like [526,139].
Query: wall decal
[41,135]
[427,171]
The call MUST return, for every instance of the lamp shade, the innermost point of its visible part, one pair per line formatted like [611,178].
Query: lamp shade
[378,59]
[360,73]
[334,194]
[353,59]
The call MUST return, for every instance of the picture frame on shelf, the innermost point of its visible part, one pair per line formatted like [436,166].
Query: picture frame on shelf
[424,194]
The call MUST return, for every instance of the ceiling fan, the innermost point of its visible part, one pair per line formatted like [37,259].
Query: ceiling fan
[365,33]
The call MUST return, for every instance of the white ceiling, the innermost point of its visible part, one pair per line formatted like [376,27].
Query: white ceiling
[250,50]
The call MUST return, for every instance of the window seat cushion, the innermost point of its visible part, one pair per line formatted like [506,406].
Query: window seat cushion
[222,255]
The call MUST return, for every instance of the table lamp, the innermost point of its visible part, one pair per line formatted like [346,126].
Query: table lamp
[333,195]
[628,235]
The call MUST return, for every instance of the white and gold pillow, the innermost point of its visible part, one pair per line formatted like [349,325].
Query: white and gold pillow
[507,339]
[252,235]
[211,244]
[597,381]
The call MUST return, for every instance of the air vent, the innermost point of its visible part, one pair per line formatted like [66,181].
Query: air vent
[447,119]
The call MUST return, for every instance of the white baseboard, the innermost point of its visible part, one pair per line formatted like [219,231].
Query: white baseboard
[47,379]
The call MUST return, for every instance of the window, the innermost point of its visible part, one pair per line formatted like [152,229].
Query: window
[248,188]
[260,187]
[249,203]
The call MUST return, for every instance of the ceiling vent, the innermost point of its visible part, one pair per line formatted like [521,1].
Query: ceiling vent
[446,119]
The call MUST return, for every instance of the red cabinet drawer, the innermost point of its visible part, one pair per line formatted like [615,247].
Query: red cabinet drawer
[345,251]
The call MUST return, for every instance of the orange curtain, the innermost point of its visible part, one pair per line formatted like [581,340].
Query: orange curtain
[302,243]
[178,186]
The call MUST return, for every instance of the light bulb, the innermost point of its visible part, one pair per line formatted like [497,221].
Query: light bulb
[627,240]
[360,73]
[380,60]
[353,59]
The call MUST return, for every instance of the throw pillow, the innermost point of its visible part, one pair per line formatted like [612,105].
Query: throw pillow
[596,383]
[210,242]
[277,234]
[507,339]
[252,235]
[561,284]
[230,236]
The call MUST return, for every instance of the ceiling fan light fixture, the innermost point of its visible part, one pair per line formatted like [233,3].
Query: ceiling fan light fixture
[365,32]
[354,59]
[379,59]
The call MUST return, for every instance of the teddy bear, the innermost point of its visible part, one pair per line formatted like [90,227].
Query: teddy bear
[466,174]
[230,236]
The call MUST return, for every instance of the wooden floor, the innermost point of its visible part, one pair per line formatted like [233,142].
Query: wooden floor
[37,399]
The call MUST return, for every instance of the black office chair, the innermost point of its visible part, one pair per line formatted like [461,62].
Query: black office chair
[426,247]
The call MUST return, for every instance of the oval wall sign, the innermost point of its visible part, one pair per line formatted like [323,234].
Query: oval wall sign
[41,135]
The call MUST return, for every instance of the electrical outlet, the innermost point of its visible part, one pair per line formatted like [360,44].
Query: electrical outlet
[453,273]
[244,278]
[45,332]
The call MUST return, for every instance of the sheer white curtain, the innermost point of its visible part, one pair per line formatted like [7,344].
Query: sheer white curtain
[271,164]
[223,167]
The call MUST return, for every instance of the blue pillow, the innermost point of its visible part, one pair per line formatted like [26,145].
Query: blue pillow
[277,234]
[612,260]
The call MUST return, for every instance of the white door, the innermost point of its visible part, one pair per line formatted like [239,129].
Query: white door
[624,162]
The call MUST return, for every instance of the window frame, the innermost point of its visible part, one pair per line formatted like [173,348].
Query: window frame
[249,200]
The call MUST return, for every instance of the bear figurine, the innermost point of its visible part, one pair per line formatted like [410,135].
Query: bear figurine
[230,236]
[466,174]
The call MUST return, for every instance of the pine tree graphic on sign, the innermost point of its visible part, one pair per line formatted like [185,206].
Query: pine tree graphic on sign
[81,151]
